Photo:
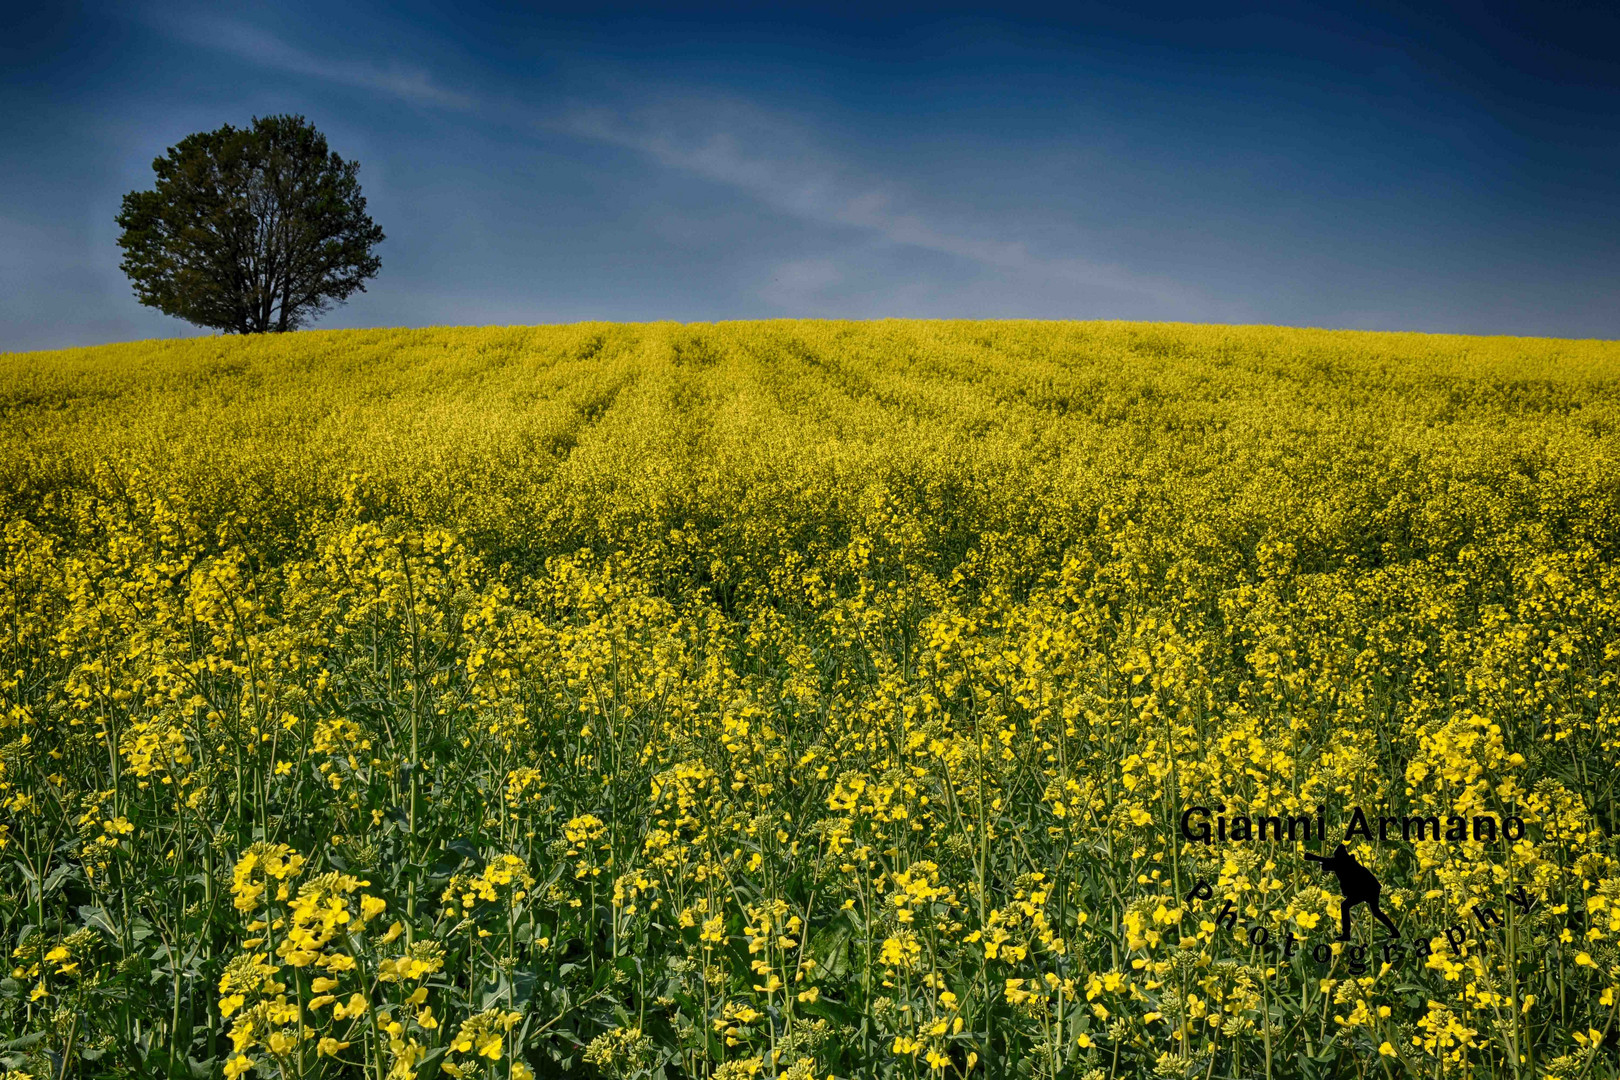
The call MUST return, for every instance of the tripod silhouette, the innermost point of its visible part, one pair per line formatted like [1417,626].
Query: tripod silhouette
[1356,886]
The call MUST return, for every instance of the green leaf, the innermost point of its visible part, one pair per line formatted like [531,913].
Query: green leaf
[429,1068]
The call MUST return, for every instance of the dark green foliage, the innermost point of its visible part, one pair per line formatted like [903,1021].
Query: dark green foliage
[250,230]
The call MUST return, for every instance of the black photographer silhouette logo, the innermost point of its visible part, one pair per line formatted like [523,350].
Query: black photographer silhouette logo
[1357,885]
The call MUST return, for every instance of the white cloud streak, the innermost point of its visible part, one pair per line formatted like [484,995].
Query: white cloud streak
[750,151]
[266,50]
[757,154]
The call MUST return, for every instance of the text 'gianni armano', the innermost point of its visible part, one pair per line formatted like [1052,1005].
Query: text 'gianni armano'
[1206,825]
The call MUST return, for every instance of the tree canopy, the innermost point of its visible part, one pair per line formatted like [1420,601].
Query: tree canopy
[250,230]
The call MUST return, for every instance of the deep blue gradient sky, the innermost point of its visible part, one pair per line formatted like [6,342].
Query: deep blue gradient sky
[1453,170]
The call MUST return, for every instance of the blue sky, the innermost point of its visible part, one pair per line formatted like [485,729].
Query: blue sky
[1363,167]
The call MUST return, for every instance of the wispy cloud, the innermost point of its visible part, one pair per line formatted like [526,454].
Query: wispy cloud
[265,49]
[771,160]
[768,159]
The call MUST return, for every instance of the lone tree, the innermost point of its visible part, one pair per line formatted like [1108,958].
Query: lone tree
[249,230]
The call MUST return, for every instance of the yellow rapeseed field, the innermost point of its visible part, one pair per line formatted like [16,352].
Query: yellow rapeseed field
[809,699]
